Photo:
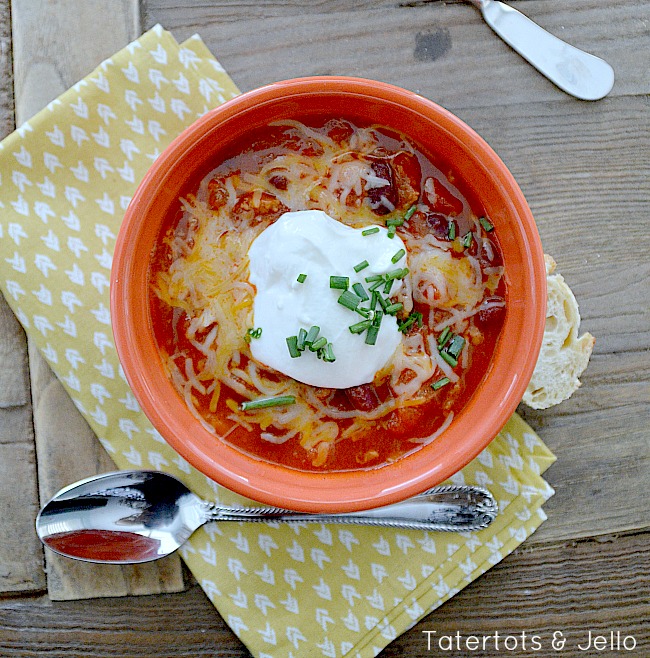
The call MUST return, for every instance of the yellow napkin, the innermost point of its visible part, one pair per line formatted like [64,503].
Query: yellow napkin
[66,177]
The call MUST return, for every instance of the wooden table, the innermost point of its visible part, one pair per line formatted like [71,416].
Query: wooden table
[585,170]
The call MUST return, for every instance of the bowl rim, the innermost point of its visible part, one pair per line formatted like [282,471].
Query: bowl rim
[270,483]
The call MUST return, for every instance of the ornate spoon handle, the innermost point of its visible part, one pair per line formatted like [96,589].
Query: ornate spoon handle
[449,508]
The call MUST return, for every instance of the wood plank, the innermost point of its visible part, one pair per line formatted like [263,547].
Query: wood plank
[424,46]
[569,587]
[69,47]
[21,556]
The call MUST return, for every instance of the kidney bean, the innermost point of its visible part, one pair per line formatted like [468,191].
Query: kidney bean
[363,397]
[382,169]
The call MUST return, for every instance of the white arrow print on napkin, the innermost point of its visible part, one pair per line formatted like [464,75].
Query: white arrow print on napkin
[132,99]
[179,108]
[44,264]
[128,427]
[68,326]
[43,211]
[210,589]
[133,457]
[182,84]
[350,593]
[291,577]
[72,381]
[240,542]
[157,460]
[263,602]
[14,289]
[323,590]
[74,358]
[17,263]
[102,314]
[267,575]
[236,624]
[136,125]
[56,137]
[236,568]
[105,112]
[73,195]
[351,622]
[51,162]
[129,148]
[76,275]
[16,232]
[266,543]
[99,281]
[21,206]
[347,538]
[24,157]
[239,598]
[378,571]
[294,635]
[327,648]
[43,295]
[290,604]
[351,570]
[20,180]
[157,77]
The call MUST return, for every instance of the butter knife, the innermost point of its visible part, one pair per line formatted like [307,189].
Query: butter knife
[574,71]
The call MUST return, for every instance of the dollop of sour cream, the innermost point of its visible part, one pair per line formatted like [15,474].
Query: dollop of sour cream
[311,243]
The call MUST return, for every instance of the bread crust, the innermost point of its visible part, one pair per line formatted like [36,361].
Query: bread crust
[563,356]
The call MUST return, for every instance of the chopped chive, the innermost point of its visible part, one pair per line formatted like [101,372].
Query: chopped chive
[399,273]
[395,221]
[406,324]
[263,403]
[292,344]
[382,302]
[340,282]
[312,334]
[397,256]
[486,224]
[302,336]
[467,239]
[376,285]
[301,278]
[371,335]
[387,286]
[361,292]
[442,339]
[317,344]
[252,333]
[451,229]
[449,359]
[376,321]
[409,213]
[440,383]
[373,300]
[370,231]
[361,266]
[374,277]
[329,353]
[360,327]
[456,346]
[391,232]
[362,310]
[393,308]
[349,300]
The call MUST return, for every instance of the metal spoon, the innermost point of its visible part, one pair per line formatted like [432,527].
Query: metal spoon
[578,73]
[129,517]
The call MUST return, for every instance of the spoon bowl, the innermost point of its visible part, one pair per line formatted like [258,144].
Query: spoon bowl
[128,517]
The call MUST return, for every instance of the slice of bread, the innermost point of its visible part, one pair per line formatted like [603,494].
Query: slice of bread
[564,356]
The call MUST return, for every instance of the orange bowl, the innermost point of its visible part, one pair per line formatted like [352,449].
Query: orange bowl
[203,145]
